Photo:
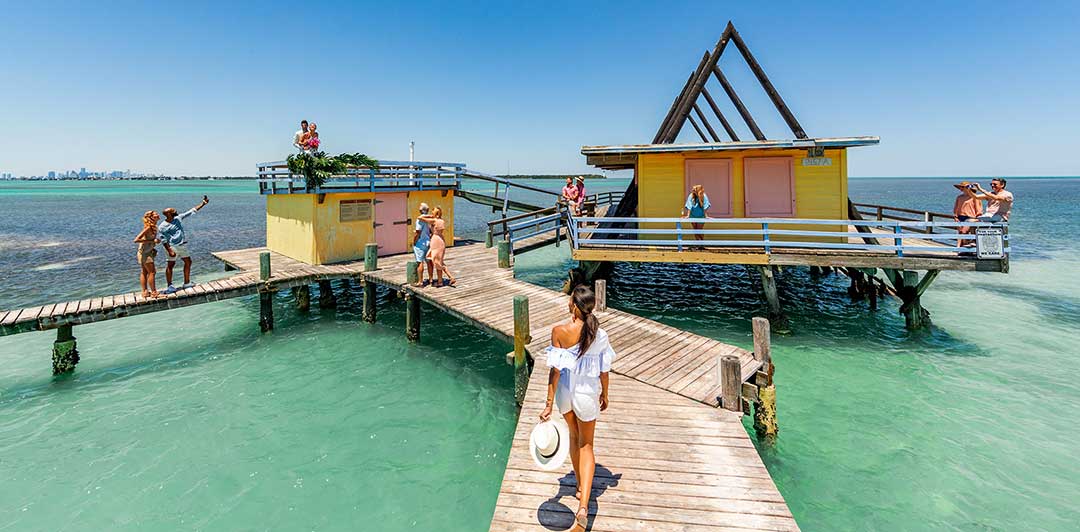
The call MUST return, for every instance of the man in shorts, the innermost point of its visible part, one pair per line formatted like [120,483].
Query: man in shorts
[171,233]
[421,243]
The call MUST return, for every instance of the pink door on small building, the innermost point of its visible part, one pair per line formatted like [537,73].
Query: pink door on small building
[391,217]
[715,176]
[770,187]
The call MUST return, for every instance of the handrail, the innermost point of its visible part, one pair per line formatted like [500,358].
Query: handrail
[516,217]
[903,236]
[879,212]
[504,181]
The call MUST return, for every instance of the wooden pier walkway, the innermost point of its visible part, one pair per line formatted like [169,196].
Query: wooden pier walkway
[668,458]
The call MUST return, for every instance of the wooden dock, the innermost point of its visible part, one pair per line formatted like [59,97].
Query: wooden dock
[668,458]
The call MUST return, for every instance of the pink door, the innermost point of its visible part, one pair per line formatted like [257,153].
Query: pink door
[770,187]
[715,176]
[391,221]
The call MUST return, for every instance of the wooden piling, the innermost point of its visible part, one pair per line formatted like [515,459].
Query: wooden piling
[371,257]
[302,294]
[772,294]
[264,266]
[326,295]
[504,253]
[601,295]
[412,273]
[729,375]
[412,317]
[65,354]
[765,404]
[266,311]
[370,301]
[522,337]
[489,239]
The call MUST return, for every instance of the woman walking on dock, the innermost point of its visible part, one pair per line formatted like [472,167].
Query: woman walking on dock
[147,240]
[437,248]
[580,358]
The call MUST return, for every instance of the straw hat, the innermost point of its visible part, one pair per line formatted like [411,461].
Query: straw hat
[549,444]
[962,185]
[581,179]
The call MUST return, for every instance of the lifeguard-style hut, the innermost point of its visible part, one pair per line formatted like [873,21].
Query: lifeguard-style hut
[774,202]
[335,221]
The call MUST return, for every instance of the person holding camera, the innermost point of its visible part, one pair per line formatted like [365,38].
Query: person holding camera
[999,200]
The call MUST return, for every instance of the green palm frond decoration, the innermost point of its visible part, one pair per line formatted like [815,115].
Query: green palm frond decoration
[317,167]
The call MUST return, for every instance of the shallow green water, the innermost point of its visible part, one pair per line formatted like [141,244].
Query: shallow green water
[192,420]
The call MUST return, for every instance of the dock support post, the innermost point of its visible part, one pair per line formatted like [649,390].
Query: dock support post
[371,257]
[302,294]
[326,294]
[504,253]
[370,304]
[765,407]
[65,354]
[412,317]
[266,310]
[264,265]
[522,337]
[730,376]
[772,295]
[489,239]
[601,295]
[412,274]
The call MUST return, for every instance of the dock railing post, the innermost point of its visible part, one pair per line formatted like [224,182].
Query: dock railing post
[522,337]
[65,354]
[266,297]
[765,406]
[601,295]
[371,257]
[504,253]
[730,377]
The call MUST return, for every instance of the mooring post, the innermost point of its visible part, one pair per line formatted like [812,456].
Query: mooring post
[504,253]
[302,294]
[522,337]
[412,317]
[730,377]
[370,303]
[489,239]
[601,295]
[371,257]
[772,294]
[765,405]
[412,273]
[326,294]
[266,297]
[65,354]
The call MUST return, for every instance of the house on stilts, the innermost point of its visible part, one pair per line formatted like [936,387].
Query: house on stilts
[774,202]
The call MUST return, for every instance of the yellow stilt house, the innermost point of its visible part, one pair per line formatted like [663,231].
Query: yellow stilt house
[334,222]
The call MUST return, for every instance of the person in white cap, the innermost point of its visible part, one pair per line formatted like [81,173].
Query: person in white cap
[580,358]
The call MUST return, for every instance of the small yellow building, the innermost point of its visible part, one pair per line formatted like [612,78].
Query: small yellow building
[335,222]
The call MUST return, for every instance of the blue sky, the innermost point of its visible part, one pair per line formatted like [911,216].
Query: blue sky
[212,88]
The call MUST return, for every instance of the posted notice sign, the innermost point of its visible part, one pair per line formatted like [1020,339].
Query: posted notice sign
[989,243]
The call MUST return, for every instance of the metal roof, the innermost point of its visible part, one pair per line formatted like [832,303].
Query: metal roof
[824,142]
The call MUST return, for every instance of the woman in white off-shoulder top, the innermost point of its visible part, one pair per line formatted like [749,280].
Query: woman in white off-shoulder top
[580,358]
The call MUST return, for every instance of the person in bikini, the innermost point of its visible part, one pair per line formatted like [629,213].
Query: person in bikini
[147,240]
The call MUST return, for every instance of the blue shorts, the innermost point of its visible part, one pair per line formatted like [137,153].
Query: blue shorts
[420,252]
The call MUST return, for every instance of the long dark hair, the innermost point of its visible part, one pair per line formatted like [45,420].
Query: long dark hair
[584,301]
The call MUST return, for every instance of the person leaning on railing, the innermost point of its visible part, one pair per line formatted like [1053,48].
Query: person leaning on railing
[966,208]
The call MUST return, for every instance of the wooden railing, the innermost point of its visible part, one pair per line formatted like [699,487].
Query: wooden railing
[526,225]
[275,178]
[884,212]
[769,234]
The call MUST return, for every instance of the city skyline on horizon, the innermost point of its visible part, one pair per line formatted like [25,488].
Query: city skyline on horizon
[525,87]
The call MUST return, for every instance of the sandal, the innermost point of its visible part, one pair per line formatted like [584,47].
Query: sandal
[581,519]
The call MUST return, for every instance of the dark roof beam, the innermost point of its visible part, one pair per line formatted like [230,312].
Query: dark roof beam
[792,123]
[674,105]
[716,111]
[735,100]
[696,128]
[699,83]
[705,122]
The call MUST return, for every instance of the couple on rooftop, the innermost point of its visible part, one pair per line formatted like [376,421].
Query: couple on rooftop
[307,138]
[170,234]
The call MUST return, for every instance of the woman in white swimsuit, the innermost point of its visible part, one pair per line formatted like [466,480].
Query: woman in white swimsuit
[580,358]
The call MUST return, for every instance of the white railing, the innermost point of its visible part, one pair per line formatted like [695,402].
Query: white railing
[275,178]
[769,234]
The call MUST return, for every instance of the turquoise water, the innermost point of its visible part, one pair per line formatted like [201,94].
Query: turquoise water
[332,424]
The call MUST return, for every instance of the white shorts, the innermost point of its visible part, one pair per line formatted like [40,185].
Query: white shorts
[181,253]
[585,406]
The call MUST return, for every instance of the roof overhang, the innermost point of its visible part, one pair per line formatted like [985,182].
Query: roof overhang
[624,156]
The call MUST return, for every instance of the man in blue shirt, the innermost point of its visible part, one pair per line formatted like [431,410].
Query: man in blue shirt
[421,243]
[171,234]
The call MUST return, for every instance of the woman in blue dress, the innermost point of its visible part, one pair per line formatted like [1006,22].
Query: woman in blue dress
[697,203]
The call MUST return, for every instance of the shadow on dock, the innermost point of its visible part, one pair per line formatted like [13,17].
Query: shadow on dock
[554,515]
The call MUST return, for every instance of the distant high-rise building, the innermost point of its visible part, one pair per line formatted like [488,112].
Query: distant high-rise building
[82,173]
[52,175]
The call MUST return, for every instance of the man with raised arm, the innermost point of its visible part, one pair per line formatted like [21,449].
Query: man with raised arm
[171,233]
[999,200]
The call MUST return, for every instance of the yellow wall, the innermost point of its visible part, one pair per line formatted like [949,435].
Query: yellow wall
[298,226]
[820,191]
[290,223]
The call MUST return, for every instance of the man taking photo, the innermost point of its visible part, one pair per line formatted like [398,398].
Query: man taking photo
[171,233]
